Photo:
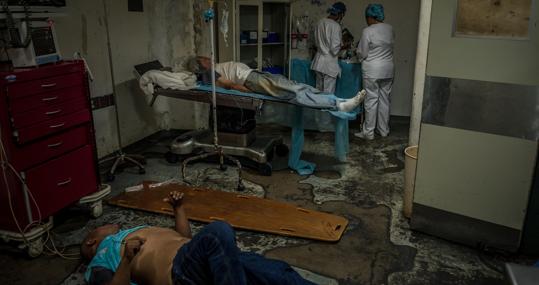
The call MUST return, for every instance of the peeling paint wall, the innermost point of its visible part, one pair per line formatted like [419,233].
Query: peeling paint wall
[201,28]
[164,31]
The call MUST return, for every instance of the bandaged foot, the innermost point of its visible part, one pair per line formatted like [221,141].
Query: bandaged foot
[350,104]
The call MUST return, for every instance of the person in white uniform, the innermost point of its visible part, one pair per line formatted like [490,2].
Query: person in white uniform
[375,51]
[328,40]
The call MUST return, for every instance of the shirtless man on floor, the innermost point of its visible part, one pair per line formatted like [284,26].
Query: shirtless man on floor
[153,255]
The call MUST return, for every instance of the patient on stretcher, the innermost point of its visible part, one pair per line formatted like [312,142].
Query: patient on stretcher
[161,256]
[238,76]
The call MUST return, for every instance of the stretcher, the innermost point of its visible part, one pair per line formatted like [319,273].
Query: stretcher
[258,154]
[255,152]
[241,211]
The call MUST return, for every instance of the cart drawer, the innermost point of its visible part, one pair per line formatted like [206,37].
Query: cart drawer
[47,99]
[62,181]
[21,120]
[54,146]
[22,89]
[52,126]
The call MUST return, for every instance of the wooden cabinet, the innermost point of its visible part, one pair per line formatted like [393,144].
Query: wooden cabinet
[47,133]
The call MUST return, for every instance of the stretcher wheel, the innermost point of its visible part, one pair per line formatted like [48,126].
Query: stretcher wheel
[97,209]
[35,248]
[141,171]
[281,150]
[265,169]
[172,157]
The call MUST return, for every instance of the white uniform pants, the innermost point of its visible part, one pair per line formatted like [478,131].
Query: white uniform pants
[325,83]
[377,105]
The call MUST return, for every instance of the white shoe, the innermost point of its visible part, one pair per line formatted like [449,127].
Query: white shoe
[364,136]
[350,104]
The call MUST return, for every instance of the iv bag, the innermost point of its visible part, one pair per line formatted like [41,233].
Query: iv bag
[223,26]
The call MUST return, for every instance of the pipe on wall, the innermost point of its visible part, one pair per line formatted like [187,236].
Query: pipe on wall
[419,83]
[420,70]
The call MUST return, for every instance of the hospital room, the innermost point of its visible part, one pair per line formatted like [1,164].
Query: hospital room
[269,142]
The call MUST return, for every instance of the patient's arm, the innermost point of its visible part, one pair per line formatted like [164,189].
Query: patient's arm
[182,226]
[227,84]
[104,276]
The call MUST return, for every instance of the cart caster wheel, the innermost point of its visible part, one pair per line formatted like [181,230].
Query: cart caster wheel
[110,177]
[97,209]
[222,167]
[172,157]
[142,171]
[241,187]
[281,150]
[35,248]
[265,169]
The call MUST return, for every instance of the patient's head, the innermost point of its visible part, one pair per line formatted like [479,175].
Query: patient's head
[204,62]
[90,243]
[199,64]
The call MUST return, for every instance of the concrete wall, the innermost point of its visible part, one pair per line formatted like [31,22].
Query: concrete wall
[403,15]
[163,31]
[202,29]
[497,60]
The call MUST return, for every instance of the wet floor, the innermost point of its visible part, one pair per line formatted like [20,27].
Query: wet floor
[377,248]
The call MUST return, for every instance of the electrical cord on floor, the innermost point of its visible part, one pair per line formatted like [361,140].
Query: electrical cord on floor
[8,167]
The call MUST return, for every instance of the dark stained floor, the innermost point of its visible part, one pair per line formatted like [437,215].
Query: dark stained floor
[377,248]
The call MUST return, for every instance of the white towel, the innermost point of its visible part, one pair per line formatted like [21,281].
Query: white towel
[168,80]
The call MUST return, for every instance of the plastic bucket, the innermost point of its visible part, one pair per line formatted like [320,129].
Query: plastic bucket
[410,163]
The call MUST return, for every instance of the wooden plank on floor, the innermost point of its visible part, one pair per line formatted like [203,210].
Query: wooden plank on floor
[241,211]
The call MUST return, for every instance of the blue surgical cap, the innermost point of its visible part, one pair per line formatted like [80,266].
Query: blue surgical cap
[375,11]
[337,8]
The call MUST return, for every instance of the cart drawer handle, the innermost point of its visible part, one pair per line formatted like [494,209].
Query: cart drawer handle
[55,144]
[53,112]
[49,98]
[48,85]
[64,182]
[57,126]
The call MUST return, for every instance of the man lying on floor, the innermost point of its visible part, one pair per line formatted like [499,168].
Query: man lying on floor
[238,76]
[153,255]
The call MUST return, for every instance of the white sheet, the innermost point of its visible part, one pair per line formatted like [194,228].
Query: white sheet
[165,79]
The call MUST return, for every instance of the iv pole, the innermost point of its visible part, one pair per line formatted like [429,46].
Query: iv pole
[209,16]
[120,157]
